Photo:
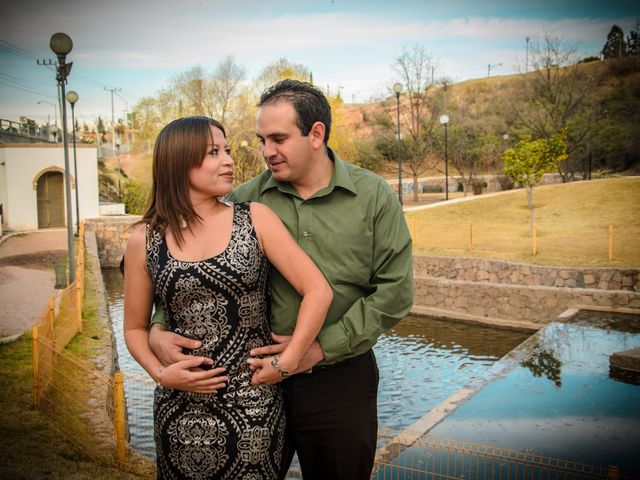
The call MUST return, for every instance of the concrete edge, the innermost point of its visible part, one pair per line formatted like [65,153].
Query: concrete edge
[442,314]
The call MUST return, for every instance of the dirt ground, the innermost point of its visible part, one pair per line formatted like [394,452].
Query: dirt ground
[27,277]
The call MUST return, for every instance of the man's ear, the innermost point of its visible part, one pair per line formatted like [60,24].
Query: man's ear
[316,134]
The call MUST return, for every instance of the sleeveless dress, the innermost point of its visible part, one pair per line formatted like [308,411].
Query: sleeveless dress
[223,301]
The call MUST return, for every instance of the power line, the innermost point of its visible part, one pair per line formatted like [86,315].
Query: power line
[18,84]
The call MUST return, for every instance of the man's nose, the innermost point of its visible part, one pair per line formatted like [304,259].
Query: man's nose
[268,150]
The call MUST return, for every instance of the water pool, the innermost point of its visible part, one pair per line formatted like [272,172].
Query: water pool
[555,395]
[422,361]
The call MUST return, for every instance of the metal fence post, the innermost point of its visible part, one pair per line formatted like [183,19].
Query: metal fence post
[35,354]
[118,417]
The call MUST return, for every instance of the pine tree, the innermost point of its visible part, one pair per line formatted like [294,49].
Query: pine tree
[615,46]
[633,41]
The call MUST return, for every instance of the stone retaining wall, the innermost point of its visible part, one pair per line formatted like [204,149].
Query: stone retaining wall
[536,304]
[470,269]
[112,233]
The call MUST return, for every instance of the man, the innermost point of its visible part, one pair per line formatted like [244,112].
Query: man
[348,220]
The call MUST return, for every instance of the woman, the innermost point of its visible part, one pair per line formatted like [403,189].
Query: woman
[208,262]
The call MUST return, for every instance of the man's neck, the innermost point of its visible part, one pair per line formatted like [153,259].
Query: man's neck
[317,178]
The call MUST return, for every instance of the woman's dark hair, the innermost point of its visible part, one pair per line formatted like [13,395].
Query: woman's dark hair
[309,103]
[180,146]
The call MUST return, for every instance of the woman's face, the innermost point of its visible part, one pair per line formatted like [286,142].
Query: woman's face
[214,177]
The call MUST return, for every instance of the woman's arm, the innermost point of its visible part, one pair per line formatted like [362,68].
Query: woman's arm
[138,301]
[299,270]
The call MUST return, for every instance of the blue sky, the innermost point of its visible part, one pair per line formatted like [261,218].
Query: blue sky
[139,45]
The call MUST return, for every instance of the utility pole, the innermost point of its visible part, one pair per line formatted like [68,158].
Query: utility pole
[526,61]
[113,121]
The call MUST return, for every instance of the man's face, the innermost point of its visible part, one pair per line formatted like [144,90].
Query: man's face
[288,154]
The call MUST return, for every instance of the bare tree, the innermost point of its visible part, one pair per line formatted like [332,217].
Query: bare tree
[556,97]
[420,109]
[226,80]
[280,70]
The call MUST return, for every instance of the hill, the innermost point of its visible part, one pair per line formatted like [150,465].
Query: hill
[598,102]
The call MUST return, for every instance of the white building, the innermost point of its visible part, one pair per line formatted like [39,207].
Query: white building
[32,186]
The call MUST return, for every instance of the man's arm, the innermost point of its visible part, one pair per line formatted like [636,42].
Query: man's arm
[392,277]
[168,346]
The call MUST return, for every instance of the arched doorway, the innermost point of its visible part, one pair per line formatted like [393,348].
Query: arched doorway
[50,200]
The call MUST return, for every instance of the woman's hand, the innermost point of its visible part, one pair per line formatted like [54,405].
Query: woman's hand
[264,373]
[185,375]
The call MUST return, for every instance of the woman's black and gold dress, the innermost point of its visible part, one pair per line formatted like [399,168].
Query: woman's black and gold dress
[223,301]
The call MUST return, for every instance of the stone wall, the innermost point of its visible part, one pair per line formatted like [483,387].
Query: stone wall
[112,233]
[515,292]
[470,269]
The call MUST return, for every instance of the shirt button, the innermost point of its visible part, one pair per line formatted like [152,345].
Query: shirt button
[305,234]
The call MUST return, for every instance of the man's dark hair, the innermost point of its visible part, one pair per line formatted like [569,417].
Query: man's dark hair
[308,101]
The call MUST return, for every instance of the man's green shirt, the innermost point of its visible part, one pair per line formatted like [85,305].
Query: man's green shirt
[355,231]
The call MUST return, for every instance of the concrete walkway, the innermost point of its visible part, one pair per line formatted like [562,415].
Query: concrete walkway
[27,277]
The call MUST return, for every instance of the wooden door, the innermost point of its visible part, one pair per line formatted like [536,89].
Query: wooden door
[51,200]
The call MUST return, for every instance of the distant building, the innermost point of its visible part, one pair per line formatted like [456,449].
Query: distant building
[32,186]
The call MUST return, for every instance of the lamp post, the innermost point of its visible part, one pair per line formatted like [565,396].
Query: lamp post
[444,120]
[491,67]
[117,144]
[397,88]
[72,98]
[55,111]
[61,44]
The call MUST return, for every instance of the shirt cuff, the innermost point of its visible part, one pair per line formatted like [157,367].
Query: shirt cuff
[333,342]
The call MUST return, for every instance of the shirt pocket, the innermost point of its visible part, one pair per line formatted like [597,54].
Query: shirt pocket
[349,258]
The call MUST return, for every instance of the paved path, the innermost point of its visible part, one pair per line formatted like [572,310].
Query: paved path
[27,277]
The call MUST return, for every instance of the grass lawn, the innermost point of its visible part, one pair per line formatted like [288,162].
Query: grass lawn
[32,448]
[572,225]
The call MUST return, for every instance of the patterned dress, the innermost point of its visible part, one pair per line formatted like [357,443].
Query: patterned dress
[237,432]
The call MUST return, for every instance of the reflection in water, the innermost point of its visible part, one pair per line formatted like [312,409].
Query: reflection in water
[543,363]
[587,416]
[422,362]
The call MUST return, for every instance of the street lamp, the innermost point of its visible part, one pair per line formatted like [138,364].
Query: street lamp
[444,120]
[61,44]
[491,67]
[72,98]
[117,144]
[397,88]
[55,111]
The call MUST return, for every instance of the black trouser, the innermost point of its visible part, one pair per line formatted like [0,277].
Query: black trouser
[332,419]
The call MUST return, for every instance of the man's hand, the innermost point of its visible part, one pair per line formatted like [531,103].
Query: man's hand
[167,346]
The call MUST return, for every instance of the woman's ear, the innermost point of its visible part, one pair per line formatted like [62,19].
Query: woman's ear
[317,135]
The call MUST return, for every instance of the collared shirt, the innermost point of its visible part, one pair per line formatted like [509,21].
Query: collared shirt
[355,231]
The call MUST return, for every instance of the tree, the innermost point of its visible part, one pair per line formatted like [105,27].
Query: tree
[556,96]
[279,70]
[530,160]
[633,41]
[415,68]
[226,80]
[615,47]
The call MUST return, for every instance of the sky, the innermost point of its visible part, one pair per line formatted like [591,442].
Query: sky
[136,47]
